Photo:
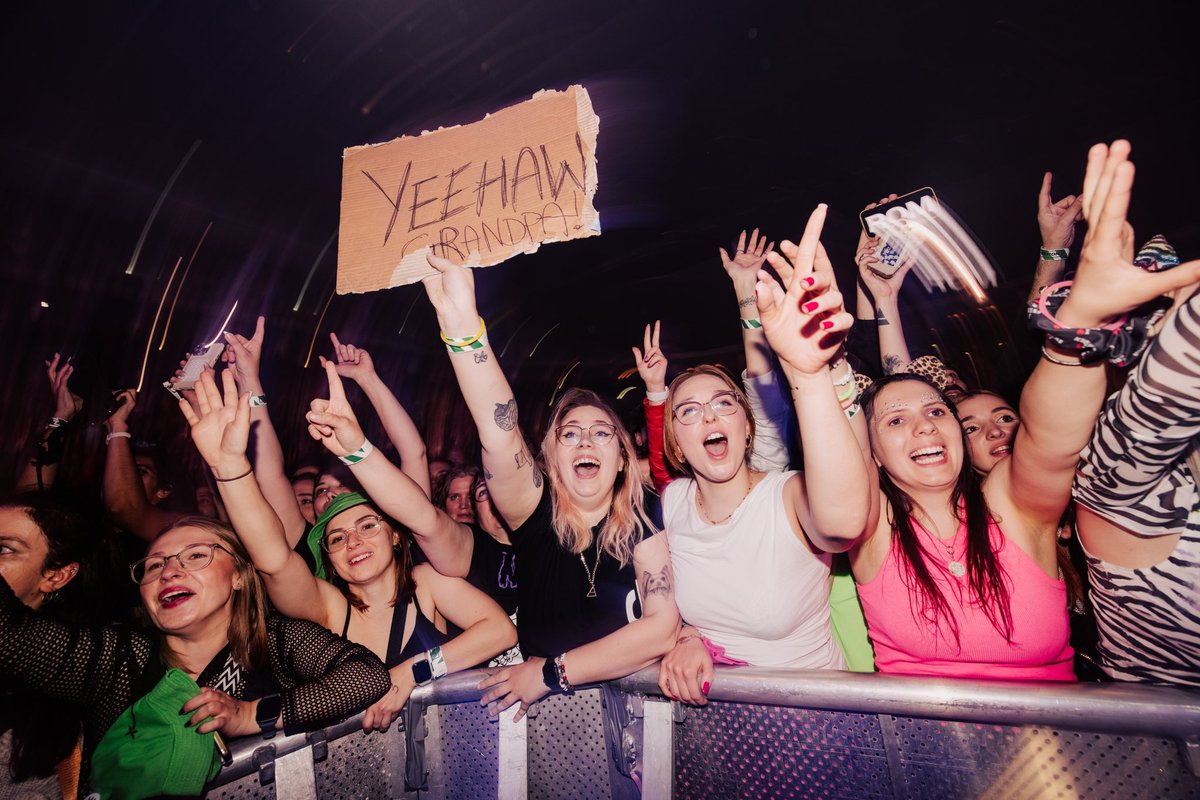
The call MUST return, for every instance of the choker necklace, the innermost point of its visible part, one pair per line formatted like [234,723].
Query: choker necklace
[726,518]
[591,574]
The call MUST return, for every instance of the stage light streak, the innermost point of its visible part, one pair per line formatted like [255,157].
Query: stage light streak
[313,343]
[544,335]
[621,394]
[561,381]
[513,336]
[137,251]
[312,270]
[221,332]
[150,338]
[411,306]
[179,288]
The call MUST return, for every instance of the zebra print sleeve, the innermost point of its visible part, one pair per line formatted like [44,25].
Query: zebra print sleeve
[1134,471]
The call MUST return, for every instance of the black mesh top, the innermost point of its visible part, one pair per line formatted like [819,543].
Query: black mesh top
[322,678]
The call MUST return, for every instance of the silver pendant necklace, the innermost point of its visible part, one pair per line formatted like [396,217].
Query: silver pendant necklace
[591,574]
[953,566]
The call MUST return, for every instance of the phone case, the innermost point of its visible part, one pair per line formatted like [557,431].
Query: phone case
[193,368]
[898,203]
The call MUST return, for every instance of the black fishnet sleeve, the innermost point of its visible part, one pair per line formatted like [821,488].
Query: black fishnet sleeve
[92,667]
[324,677]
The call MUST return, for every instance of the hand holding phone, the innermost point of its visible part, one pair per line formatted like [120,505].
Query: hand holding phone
[200,358]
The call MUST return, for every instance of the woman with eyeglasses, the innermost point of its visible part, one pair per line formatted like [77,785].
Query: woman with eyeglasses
[374,595]
[207,615]
[752,550]
[594,588]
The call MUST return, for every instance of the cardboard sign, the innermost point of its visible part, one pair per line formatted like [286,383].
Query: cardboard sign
[475,194]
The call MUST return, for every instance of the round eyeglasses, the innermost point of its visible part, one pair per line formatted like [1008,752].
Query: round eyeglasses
[601,433]
[365,528]
[191,558]
[722,404]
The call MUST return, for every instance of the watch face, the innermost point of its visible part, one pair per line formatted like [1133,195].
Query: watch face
[269,708]
[422,672]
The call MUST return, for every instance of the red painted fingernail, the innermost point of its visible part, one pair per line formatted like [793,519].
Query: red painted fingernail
[810,307]
[809,281]
[826,325]
[704,688]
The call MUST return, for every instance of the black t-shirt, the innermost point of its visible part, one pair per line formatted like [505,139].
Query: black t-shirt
[494,569]
[556,614]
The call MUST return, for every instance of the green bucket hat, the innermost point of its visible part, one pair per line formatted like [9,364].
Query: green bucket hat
[149,751]
[336,506]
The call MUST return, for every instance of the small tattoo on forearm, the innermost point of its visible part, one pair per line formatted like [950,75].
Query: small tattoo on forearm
[891,364]
[659,583]
[506,415]
[481,357]
[880,317]
[746,302]
[487,476]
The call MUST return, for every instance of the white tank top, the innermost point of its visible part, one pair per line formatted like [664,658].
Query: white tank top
[750,584]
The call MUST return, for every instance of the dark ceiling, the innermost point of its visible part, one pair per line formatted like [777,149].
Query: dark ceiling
[714,116]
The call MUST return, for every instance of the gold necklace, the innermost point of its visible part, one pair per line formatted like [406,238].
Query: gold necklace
[704,511]
[591,575]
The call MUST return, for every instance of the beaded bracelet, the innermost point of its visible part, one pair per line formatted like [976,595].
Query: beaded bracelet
[560,668]
[364,450]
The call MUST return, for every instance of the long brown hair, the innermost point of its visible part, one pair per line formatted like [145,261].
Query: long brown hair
[671,450]
[248,620]
[401,568]
[627,515]
[985,575]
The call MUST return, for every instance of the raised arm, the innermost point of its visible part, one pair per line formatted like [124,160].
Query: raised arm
[40,471]
[636,645]
[806,325]
[1057,224]
[513,478]
[1063,395]
[652,368]
[244,356]
[356,364]
[446,543]
[221,430]
[742,269]
[124,494]
[894,354]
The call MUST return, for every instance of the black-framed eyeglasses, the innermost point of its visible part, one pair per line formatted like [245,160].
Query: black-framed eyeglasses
[722,404]
[191,558]
[366,527]
[601,433]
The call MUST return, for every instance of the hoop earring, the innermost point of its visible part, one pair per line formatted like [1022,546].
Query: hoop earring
[49,596]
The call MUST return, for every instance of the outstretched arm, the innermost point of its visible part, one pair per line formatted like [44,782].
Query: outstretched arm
[244,356]
[742,268]
[221,430]
[446,543]
[513,478]
[356,364]
[40,471]
[652,367]
[1057,224]
[806,325]
[1061,400]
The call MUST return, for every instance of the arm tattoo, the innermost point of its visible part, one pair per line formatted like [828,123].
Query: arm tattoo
[537,477]
[891,364]
[506,415]
[481,357]
[746,302]
[880,317]
[487,476]
[522,459]
[659,583]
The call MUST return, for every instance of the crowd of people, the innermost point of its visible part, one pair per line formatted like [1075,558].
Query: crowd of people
[839,505]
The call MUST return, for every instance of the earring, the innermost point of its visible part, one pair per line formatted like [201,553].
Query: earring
[48,596]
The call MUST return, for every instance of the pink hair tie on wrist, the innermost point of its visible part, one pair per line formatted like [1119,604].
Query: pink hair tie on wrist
[1047,291]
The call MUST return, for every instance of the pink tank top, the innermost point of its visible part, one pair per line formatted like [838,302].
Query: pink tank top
[906,644]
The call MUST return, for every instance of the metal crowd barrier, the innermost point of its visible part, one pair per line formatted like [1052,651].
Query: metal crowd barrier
[764,733]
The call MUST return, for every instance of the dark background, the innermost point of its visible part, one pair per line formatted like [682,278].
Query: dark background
[714,117]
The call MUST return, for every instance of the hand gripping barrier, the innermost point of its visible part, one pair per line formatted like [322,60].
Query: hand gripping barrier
[764,733]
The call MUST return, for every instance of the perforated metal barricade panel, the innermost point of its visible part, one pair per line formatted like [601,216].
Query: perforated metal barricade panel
[246,788]
[955,759]
[470,751]
[358,766]
[568,759]
[725,750]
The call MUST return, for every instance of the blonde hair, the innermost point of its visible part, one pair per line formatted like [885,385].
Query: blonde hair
[627,515]
[671,449]
[248,622]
